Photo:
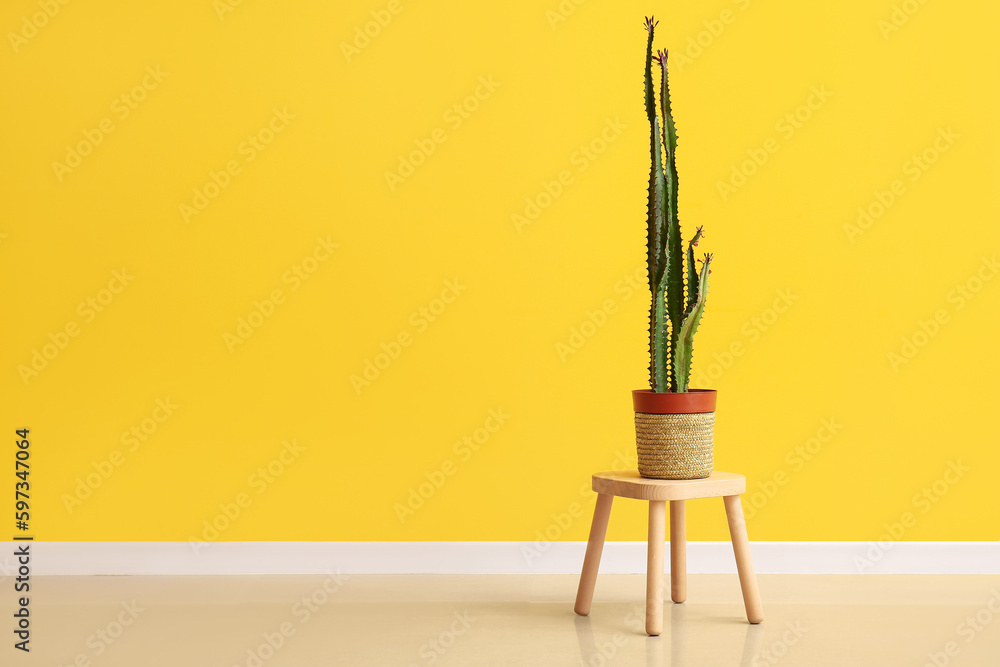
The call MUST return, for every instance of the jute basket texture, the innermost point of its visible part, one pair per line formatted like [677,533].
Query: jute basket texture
[675,446]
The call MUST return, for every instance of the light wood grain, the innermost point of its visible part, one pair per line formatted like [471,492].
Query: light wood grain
[654,566]
[744,560]
[628,484]
[592,560]
[678,551]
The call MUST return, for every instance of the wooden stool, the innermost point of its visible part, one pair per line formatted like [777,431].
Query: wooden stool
[628,484]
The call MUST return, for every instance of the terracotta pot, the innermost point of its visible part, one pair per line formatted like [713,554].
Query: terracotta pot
[674,433]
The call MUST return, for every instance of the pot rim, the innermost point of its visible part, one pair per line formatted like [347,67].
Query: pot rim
[674,402]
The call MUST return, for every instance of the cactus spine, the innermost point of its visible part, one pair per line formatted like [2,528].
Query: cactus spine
[673,314]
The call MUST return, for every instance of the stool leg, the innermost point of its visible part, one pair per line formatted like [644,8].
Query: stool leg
[744,559]
[592,561]
[678,552]
[654,566]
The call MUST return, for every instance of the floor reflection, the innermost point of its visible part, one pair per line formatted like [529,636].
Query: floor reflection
[672,649]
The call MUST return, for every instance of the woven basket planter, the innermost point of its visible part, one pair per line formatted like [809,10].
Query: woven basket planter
[674,433]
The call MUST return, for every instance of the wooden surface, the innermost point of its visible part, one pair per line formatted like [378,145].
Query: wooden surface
[654,566]
[628,484]
[678,551]
[592,561]
[744,561]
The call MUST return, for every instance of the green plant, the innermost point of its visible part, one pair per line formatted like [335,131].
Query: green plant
[676,307]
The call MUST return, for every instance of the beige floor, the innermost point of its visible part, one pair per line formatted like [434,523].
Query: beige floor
[504,620]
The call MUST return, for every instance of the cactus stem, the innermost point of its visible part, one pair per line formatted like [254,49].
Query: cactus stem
[677,300]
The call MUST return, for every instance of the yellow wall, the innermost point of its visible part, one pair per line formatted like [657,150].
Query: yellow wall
[478,308]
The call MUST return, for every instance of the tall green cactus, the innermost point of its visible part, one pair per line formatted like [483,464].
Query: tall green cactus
[673,315]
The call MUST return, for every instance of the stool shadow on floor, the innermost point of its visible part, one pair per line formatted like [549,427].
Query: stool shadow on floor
[656,649]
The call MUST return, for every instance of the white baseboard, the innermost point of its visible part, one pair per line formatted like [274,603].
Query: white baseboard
[185,558]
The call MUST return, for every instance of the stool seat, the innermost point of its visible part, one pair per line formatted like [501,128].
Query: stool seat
[629,484]
[658,492]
